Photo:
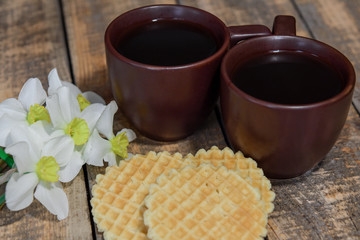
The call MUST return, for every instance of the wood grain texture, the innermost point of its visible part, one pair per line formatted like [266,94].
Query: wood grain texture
[86,22]
[336,22]
[31,44]
[234,12]
[36,222]
[323,204]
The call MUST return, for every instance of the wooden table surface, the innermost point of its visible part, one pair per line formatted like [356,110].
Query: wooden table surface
[38,35]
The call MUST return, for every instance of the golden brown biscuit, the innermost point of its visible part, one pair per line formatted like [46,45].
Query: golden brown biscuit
[204,202]
[245,167]
[118,195]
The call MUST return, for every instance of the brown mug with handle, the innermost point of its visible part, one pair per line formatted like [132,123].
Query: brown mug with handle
[284,99]
[168,102]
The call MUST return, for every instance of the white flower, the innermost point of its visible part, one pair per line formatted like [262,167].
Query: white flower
[38,163]
[50,144]
[55,83]
[24,111]
[111,150]
[71,125]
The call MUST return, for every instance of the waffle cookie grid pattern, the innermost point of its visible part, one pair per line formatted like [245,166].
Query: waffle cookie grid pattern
[118,196]
[204,202]
[245,167]
[118,202]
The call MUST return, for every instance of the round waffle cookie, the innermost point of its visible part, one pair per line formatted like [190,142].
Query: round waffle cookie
[118,195]
[204,202]
[245,167]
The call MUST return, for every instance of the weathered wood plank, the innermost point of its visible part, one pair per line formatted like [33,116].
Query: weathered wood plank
[234,12]
[322,204]
[35,222]
[336,22]
[86,22]
[31,44]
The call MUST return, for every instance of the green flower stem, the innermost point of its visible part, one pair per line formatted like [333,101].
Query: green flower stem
[9,161]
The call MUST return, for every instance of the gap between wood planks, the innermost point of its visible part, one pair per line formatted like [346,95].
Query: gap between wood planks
[72,76]
[355,102]
[306,24]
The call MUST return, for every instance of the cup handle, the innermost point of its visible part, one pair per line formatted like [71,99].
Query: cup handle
[284,25]
[239,33]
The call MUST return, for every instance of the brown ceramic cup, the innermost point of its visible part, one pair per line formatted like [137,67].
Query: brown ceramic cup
[169,102]
[286,140]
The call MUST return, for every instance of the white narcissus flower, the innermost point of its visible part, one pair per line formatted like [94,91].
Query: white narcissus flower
[25,110]
[50,144]
[84,99]
[114,148]
[38,170]
[71,124]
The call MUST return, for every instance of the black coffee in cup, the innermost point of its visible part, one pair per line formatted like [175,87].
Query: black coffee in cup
[167,43]
[288,77]
[163,65]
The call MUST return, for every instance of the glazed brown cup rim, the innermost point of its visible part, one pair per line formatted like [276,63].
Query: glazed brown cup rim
[217,54]
[347,89]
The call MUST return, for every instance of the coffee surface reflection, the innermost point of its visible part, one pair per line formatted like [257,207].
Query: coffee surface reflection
[288,77]
[167,43]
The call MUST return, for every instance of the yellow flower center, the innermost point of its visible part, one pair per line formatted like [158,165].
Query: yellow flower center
[119,145]
[37,113]
[83,102]
[78,130]
[47,168]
